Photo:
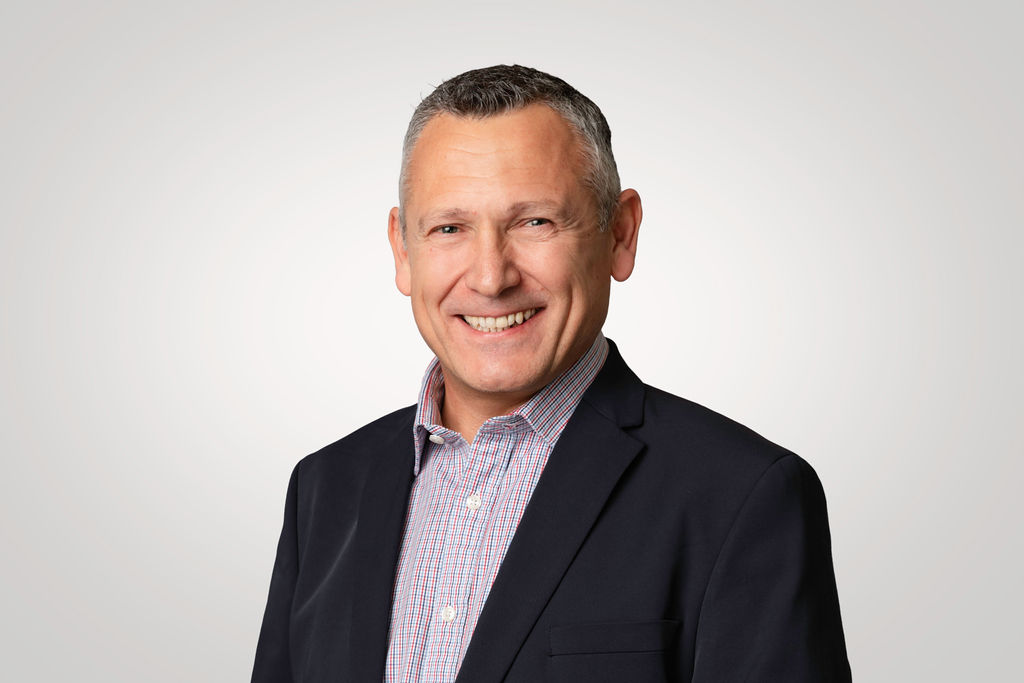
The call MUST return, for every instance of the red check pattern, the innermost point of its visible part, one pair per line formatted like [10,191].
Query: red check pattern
[464,508]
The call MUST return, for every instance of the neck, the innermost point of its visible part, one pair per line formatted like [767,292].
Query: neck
[465,409]
[465,412]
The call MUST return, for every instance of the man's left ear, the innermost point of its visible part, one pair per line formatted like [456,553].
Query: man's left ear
[625,227]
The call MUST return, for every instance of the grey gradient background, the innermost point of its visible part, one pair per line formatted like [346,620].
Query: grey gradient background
[197,291]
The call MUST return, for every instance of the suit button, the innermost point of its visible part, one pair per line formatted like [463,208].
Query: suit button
[448,614]
[473,502]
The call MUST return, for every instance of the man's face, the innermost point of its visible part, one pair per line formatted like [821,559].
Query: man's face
[507,271]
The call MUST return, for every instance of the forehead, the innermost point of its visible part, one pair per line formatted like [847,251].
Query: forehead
[526,154]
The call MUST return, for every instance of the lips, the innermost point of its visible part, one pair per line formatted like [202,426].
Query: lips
[498,323]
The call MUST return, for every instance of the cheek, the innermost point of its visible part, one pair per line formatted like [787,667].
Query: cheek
[587,273]
[591,286]
[431,275]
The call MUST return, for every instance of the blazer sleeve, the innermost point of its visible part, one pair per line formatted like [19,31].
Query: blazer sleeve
[273,658]
[771,611]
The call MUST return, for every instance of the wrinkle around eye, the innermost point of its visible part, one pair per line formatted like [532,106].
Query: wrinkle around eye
[531,231]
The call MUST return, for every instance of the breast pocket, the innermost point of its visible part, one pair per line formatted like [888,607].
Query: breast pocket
[632,652]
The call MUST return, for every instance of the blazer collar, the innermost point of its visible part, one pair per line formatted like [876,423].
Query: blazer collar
[617,393]
[377,542]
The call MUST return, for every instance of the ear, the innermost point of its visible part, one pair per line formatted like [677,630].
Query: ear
[402,277]
[625,227]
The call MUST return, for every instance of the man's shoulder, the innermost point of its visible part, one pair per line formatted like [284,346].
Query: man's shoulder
[705,443]
[384,437]
[681,435]
[711,465]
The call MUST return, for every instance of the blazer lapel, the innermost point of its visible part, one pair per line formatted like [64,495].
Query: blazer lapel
[382,512]
[587,462]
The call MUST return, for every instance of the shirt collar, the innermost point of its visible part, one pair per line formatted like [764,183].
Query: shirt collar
[546,412]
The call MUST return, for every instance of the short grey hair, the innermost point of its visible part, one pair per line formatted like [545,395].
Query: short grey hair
[498,89]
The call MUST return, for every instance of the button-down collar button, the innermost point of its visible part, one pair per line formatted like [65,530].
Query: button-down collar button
[473,502]
[436,439]
[448,614]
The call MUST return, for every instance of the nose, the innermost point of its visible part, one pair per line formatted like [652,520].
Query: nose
[493,269]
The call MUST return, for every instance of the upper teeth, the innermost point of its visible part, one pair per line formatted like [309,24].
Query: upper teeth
[487,324]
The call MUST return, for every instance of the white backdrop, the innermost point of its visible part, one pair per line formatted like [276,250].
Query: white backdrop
[197,290]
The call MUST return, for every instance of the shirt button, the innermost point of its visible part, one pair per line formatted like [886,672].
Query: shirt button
[436,439]
[448,614]
[473,502]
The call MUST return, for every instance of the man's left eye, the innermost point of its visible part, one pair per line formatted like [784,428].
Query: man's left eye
[536,222]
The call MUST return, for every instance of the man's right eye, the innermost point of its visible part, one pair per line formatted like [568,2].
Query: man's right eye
[447,229]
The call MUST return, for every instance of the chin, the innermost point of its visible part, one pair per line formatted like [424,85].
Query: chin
[503,379]
[496,385]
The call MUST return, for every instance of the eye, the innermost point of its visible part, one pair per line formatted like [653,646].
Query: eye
[537,222]
[448,229]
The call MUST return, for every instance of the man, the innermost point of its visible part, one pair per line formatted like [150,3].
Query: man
[540,514]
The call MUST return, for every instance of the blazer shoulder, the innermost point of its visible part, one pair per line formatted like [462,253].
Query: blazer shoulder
[712,440]
[373,440]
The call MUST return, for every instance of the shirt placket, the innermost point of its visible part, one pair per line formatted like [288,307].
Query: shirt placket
[469,509]
[511,429]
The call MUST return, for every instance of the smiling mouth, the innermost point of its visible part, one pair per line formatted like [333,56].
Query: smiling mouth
[499,323]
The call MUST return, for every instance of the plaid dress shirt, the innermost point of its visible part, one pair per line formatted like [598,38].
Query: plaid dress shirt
[464,508]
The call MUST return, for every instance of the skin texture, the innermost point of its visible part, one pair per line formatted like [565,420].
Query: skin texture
[499,221]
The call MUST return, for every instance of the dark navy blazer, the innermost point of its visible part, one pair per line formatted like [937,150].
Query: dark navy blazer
[663,542]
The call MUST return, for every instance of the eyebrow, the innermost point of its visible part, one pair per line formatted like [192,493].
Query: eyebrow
[456,214]
[542,207]
[445,215]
